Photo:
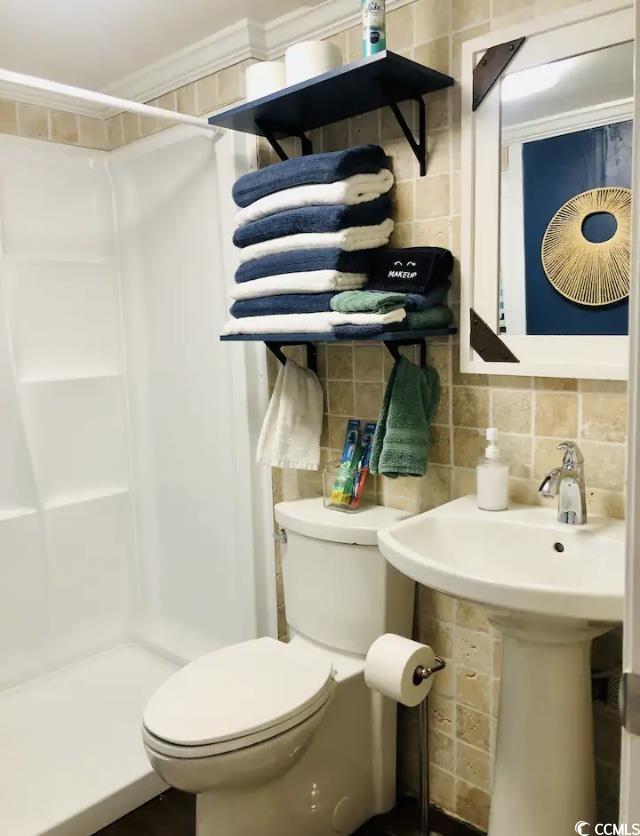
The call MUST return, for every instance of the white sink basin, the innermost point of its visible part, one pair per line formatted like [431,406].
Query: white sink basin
[521,559]
[551,588]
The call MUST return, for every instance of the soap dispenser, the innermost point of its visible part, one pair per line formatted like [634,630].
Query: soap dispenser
[492,476]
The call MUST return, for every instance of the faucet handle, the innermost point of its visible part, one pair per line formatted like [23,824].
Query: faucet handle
[573,457]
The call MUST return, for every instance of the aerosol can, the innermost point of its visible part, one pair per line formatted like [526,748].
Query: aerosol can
[374,34]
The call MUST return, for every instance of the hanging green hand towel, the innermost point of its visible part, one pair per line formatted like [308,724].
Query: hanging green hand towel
[401,441]
[367,301]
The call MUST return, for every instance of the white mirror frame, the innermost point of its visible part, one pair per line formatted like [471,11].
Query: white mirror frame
[581,29]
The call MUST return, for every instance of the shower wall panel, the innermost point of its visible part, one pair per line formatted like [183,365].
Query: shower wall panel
[66,523]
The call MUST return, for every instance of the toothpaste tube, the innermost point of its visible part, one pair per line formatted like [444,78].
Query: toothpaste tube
[363,466]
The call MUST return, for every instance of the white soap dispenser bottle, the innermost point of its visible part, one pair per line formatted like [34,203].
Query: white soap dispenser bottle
[492,476]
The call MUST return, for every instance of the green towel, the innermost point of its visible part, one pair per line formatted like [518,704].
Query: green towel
[440,317]
[401,441]
[367,301]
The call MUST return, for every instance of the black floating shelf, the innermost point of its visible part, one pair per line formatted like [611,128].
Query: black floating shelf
[392,340]
[297,339]
[382,80]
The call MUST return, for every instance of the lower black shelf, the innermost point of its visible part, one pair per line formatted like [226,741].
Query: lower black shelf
[296,339]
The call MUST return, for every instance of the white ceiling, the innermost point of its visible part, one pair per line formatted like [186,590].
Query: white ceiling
[94,43]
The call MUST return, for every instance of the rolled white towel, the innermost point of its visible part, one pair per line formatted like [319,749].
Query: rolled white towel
[315,281]
[351,239]
[308,323]
[360,188]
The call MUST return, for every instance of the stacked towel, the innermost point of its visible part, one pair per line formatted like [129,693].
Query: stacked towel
[318,281]
[307,227]
[305,261]
[311,170]
[350,239]
[360,188]
[308,323]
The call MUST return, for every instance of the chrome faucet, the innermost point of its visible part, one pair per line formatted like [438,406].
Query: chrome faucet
[567,483]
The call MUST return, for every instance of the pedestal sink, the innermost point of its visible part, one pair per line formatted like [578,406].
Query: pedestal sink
[551,588]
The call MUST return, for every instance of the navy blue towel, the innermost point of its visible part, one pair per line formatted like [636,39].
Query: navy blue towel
[288,303]
[410,270]
[313,219]
[363,332]
[305,171]
[432,298]
[304,261]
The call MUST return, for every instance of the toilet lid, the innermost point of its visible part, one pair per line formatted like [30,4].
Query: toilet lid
[235,692]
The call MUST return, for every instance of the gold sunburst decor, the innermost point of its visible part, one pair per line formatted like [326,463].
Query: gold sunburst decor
[590,273]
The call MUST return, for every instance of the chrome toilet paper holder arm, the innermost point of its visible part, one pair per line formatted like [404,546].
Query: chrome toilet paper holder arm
[420,675]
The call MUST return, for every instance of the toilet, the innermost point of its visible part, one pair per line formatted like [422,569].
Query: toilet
[286,739]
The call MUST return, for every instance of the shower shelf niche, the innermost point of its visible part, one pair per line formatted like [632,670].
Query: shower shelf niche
[382,80]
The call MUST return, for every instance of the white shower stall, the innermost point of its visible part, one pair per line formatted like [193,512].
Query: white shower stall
[134,526]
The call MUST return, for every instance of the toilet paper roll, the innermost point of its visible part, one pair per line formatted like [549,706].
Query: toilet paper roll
[310,58]
[264,78]
[390,666]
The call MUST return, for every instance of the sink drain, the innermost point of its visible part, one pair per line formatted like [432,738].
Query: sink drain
[558,547]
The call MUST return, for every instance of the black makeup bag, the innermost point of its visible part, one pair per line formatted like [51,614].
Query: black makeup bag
[409,270]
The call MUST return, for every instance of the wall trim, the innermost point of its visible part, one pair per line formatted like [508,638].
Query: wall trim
[243,40]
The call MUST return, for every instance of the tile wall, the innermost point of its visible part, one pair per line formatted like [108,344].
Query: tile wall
[532,414]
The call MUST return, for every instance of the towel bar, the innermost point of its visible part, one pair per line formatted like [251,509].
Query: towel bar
[312,355]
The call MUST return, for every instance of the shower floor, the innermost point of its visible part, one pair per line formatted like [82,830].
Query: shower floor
[71,756]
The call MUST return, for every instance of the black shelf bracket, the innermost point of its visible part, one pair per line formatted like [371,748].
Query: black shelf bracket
[491,66]
[312,355]
[419,146]
[270,132]
[393,349]
[487,343]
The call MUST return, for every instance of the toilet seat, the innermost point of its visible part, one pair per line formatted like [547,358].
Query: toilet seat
[235,697]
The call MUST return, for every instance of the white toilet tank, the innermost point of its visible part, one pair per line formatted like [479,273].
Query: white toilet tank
[339,590]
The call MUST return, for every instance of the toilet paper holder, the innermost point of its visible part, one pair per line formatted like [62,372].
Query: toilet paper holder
[419,675]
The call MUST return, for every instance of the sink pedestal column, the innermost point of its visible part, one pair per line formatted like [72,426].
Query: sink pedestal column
[544,770]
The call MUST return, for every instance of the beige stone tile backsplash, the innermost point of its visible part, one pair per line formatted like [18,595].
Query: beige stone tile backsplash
[533,415]
[35,122]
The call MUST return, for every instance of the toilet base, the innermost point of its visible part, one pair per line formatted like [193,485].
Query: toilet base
[346,776]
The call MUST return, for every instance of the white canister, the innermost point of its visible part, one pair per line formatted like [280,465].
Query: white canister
[311,58]
[264,78]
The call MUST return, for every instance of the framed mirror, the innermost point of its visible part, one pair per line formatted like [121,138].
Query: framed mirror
[546,172]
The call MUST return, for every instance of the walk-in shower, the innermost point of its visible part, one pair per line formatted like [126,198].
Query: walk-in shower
[127,543]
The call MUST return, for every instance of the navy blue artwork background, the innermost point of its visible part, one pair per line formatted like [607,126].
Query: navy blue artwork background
[555,170]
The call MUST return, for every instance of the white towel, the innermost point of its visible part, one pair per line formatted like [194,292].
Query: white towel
[315,281]
[360,188]
[351,239]
[308,323]
[290,434]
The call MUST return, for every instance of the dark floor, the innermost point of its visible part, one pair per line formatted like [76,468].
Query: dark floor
[173,814]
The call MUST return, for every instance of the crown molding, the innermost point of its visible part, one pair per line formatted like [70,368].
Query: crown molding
[242,40]
[245,39]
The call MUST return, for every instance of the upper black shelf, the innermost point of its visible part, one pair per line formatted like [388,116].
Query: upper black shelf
[370,83]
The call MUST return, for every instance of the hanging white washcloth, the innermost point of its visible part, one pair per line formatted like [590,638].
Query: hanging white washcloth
[290,434]
[359,188]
